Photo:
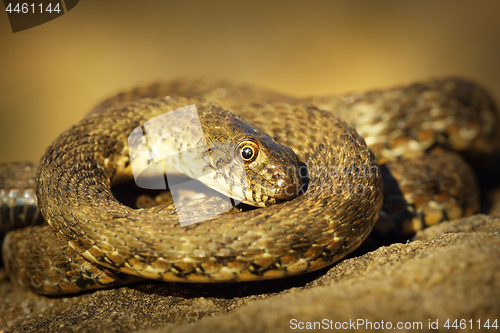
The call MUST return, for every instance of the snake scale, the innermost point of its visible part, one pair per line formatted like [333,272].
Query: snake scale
[414,132]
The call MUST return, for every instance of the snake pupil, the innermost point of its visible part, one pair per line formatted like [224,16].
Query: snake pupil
[247,153]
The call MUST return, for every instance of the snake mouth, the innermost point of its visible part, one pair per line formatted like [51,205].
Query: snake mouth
[294,187]
[288,192]
[294,183]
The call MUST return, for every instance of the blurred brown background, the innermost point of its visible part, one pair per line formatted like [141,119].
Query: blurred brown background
[51,75]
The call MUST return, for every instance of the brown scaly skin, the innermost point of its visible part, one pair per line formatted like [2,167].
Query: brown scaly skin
[312,231]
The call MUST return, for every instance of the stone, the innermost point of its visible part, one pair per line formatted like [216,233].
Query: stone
[448,271]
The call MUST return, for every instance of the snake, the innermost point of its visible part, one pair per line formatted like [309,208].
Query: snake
[322,173]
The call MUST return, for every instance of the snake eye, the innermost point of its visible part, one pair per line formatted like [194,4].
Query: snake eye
[247,150]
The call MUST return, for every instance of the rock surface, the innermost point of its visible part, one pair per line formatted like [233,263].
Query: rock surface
[449,271]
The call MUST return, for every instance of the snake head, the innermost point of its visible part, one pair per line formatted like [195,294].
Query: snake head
[251,166]
[272,170]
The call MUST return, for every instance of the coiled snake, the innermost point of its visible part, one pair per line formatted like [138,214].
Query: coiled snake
[101,242]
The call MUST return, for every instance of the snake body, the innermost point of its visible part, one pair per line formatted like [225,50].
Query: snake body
[101,242]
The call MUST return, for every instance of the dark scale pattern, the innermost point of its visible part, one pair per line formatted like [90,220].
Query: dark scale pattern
[18,204]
